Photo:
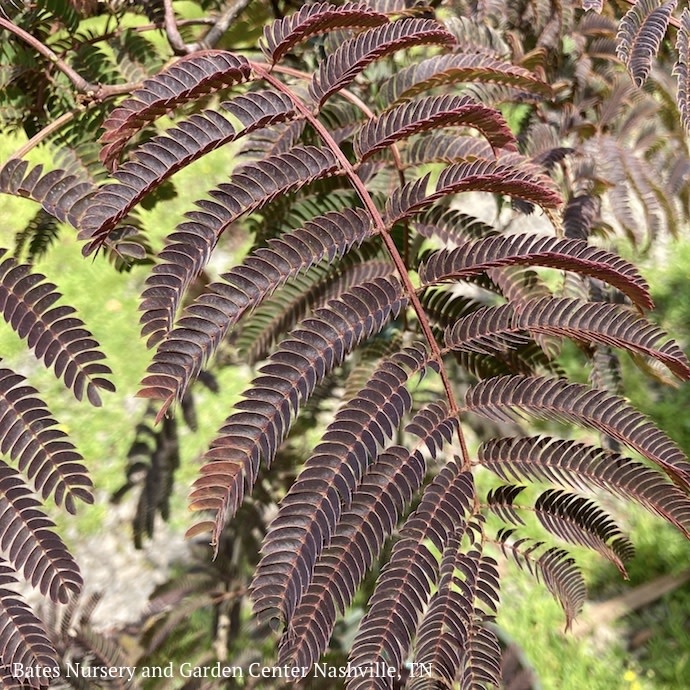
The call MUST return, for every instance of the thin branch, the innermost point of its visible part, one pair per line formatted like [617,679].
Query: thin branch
[221,25]
[96,92]
[37,138]
[173,32]
[382,231]
[80,84]
[115,33]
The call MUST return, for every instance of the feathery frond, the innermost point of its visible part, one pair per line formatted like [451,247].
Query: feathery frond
[187,79]
[507,398]
[293,371]
[340,68]
[282,35]
[205,323]
[54,334]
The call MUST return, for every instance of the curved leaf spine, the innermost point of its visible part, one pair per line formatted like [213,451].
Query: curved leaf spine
[429,113]
[538,250]
[492,328]
[503,398]
[264,418]
[511,175]
[163,155]
[205,323]
[342,66]
[444,70]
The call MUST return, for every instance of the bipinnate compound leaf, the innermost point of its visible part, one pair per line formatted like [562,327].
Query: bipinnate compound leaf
[205,323]
[282,35]
[264,417]
[187,79]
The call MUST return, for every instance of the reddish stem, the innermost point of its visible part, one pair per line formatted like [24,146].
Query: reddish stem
[382,230]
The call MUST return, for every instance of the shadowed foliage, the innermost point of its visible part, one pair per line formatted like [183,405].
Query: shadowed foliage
[428,191]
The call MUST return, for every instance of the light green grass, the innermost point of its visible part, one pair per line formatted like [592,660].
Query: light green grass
[107,301]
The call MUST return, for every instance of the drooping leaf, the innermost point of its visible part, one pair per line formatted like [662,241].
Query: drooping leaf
[493,328]
[640,33]
[42,452]
[342,66]
[536,250]
[404,586]
[469,582]
[282,35]
[507,398]
[54,334]
[578,520]
[583,467]
[553,566]
[23,639]
[429,113]
[445,70]
[310,511]
[157,159]
[264,418]
[513,177]
[187,79]
[204,323]
[189,247]
[30,543]
[386,489]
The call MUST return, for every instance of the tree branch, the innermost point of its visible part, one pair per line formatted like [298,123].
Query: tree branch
[95,92]
[173,32]
[54,126]
[232,10]
[80,84]
[219,26]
